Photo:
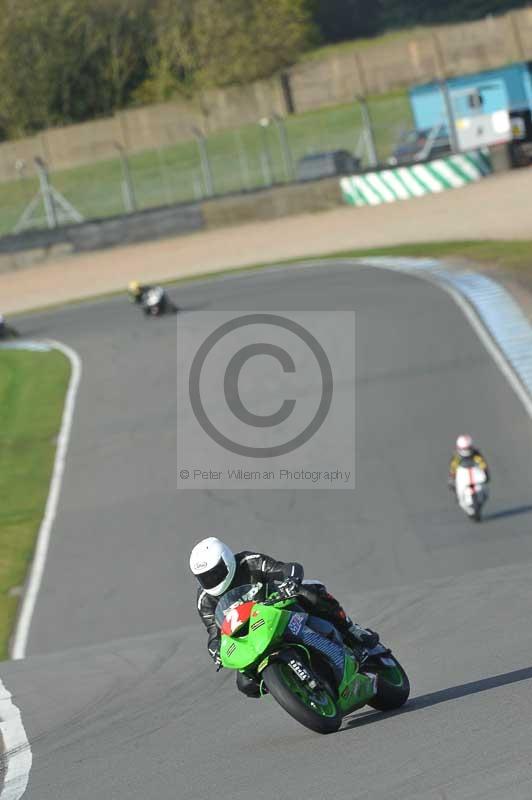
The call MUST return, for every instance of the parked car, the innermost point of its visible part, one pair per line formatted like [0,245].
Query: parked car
[327,165]
[418,145]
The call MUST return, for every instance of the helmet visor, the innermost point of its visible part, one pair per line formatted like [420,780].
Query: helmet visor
[213,576]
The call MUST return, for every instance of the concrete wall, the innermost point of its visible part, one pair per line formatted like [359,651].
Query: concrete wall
[371,69]
[146,128]
[273,203]
[426,55]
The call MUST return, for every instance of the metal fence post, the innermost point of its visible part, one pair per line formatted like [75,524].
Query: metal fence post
[267,165]
[47,196]
[128,190]
[288,161]
[243,159]
[368,132]
[449,113]
[57,207]
[205,162]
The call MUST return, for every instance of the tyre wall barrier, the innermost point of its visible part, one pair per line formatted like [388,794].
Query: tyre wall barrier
[416,180]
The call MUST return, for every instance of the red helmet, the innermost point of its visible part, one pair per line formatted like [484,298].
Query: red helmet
[464,445]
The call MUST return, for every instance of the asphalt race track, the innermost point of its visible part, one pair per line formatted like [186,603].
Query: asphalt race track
[134,708]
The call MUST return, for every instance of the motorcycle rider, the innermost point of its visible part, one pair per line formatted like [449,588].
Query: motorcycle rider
[6,331]
[465,449]
[139,291]
[218,570]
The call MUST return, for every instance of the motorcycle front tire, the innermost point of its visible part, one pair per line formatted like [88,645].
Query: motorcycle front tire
[273,677]
[391,694]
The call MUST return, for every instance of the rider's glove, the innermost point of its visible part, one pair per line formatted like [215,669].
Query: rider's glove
[369,638]
[214,652]
[288,588]
[361,637]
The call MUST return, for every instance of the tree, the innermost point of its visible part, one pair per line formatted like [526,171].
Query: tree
[402,13]
[201,43]
[66,61]
[171,56]
[346,19]
[239,41]
[121,34]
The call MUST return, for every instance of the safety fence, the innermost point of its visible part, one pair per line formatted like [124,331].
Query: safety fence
[268,153]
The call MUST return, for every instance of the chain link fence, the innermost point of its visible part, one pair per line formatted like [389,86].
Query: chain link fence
[241,160]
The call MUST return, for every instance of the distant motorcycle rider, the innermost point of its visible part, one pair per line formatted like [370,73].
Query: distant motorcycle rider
[466,451]
[218,570]
[139,293]
[6,331]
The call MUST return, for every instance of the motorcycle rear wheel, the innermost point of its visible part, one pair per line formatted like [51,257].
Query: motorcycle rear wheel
[315,709]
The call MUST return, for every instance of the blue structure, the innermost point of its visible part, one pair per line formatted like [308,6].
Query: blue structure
[505,89]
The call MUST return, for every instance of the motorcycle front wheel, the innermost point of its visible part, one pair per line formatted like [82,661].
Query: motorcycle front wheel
[393,687]
[477,513]
[314,708]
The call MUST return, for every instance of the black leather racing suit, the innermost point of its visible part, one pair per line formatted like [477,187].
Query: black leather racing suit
[252,568]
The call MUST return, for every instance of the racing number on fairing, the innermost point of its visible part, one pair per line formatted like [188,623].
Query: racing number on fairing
[232,617]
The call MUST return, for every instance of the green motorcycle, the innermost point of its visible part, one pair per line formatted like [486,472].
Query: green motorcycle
[302,661]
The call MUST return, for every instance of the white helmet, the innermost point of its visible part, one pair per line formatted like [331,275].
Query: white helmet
[214,565]
[464,446]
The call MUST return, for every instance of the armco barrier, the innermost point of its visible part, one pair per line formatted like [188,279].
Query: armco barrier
[403,183]
[30,247]
[38,246]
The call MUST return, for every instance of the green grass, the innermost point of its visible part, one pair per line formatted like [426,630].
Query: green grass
[32,390]
[512,257]
[238,160]
[505,256]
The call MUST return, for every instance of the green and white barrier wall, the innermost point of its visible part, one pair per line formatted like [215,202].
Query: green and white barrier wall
[402,183]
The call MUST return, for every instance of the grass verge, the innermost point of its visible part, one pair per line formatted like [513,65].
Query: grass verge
[32,391]
[505,256]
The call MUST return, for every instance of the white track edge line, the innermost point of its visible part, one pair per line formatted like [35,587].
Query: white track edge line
[469,309]
[400,264]
[487,339]
[22,627]
[15,751]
